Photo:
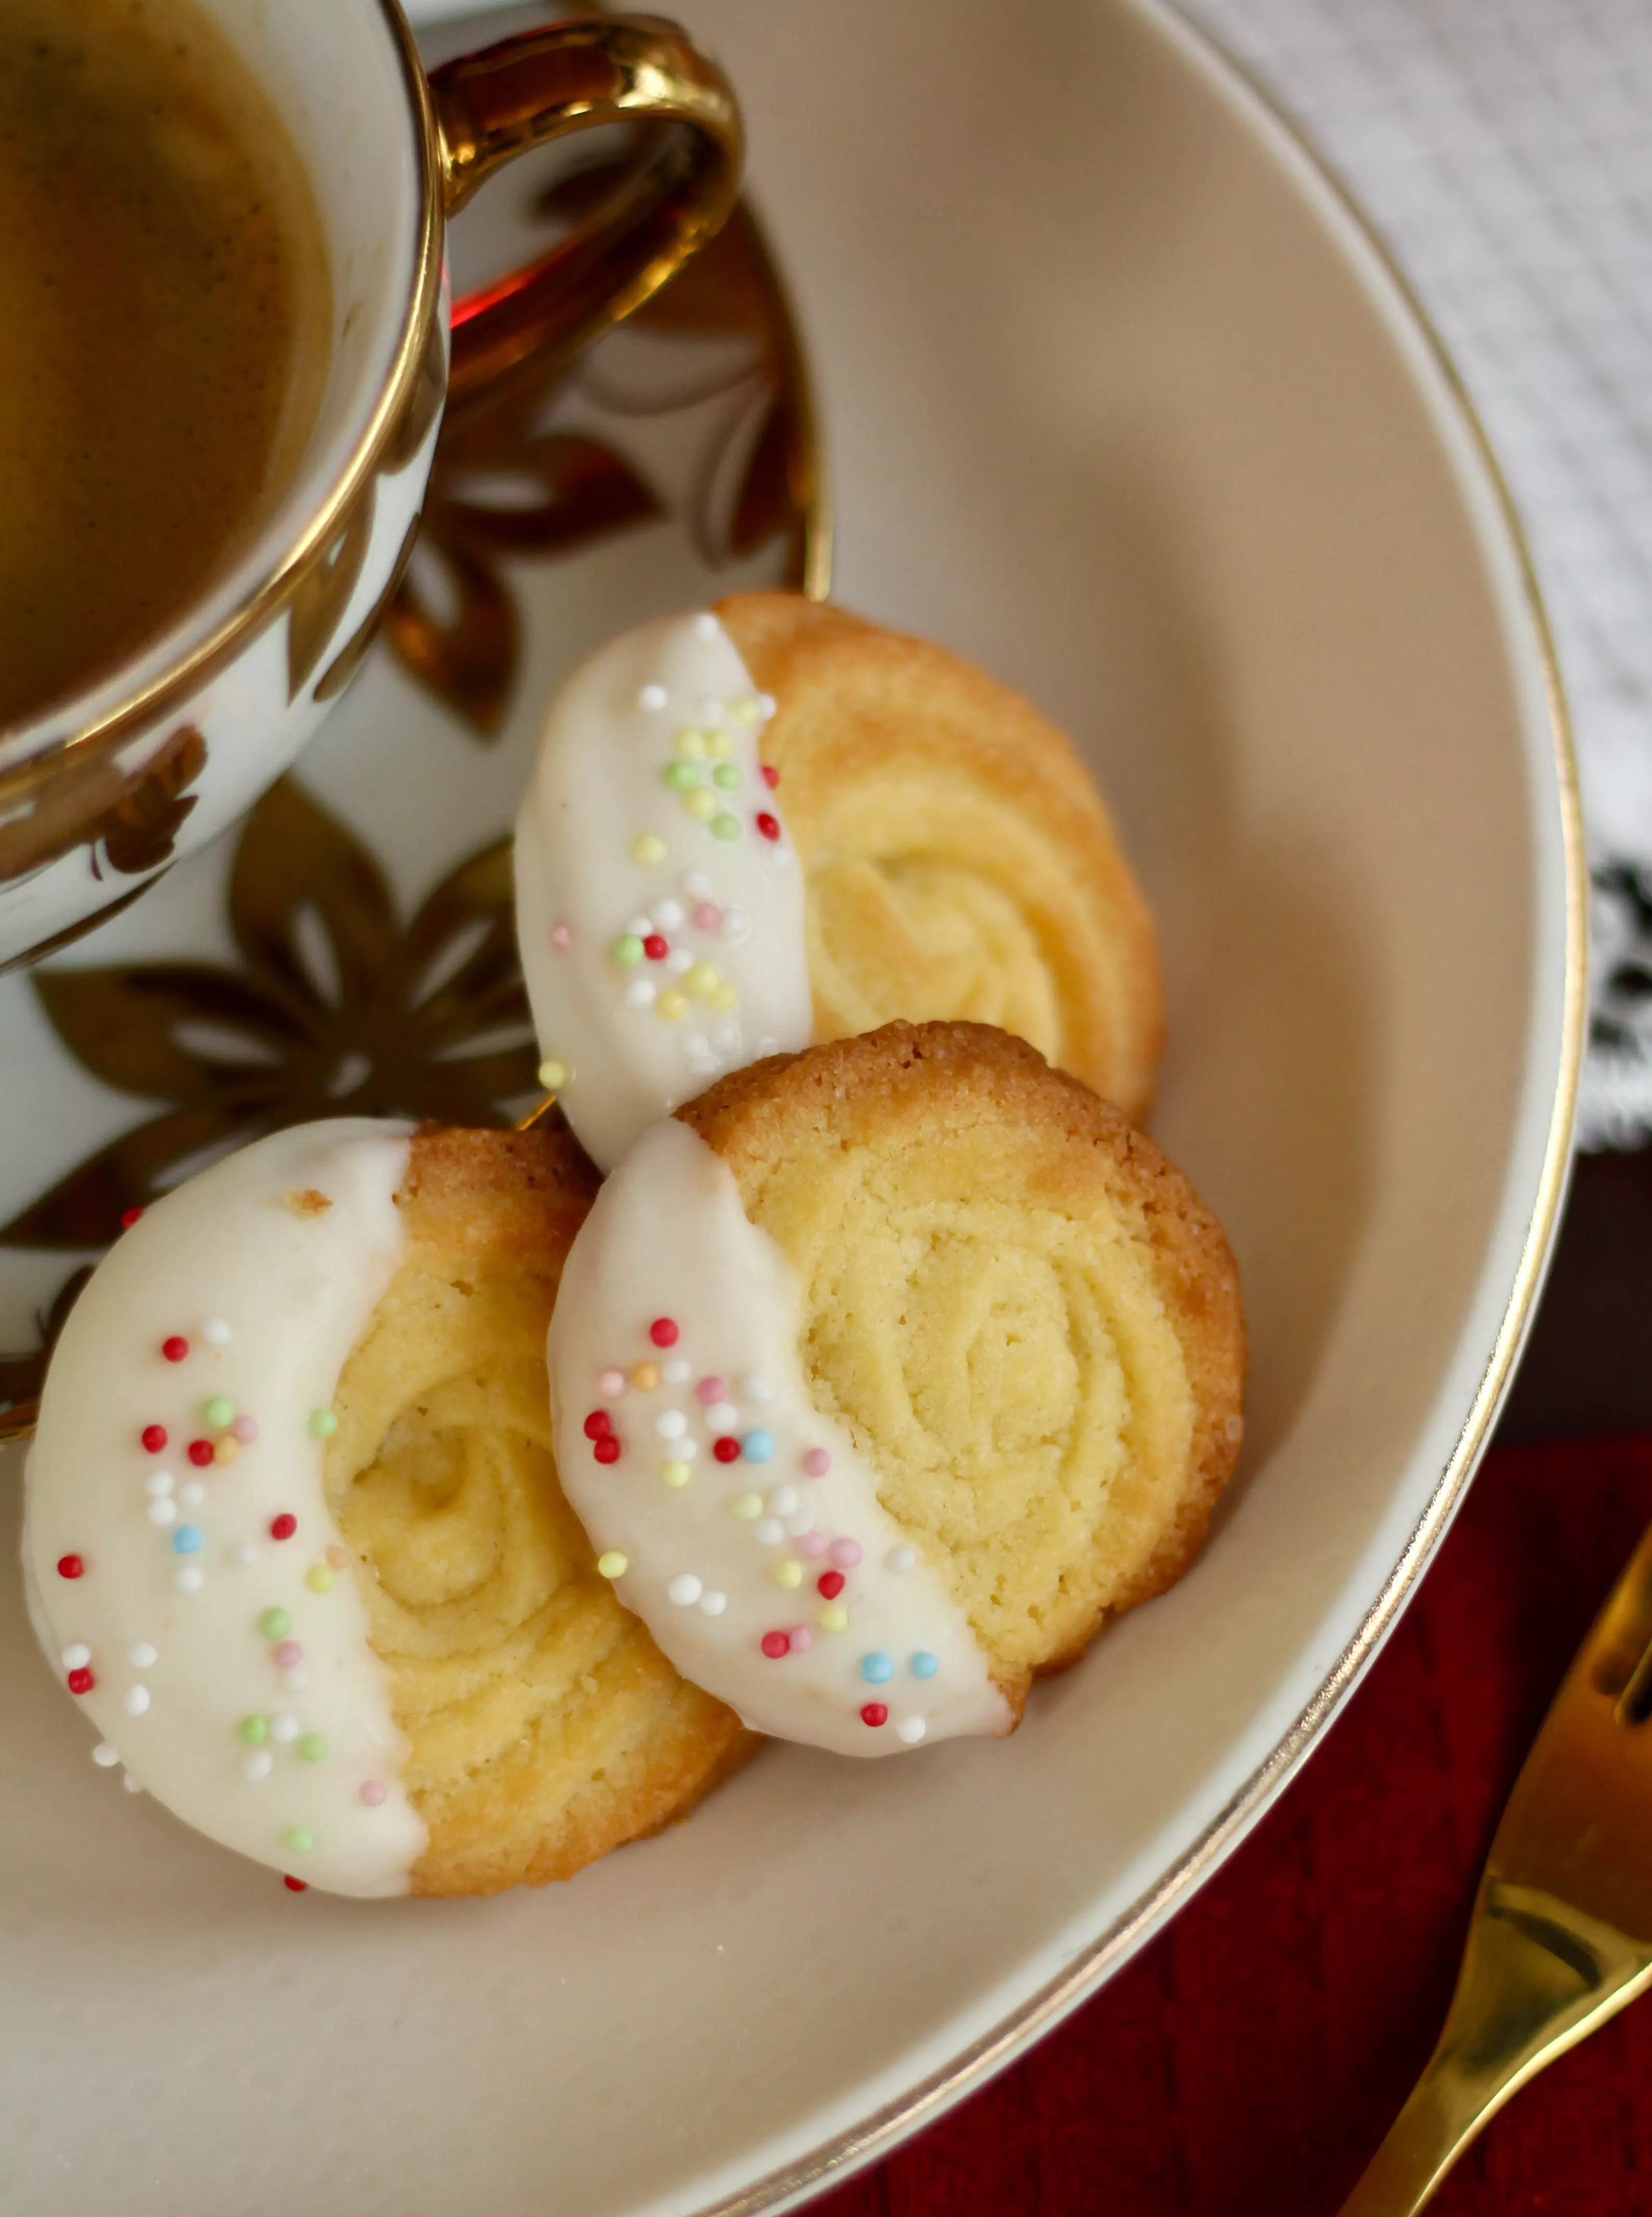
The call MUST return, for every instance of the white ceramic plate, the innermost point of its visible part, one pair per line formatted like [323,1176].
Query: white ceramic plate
[1125,404]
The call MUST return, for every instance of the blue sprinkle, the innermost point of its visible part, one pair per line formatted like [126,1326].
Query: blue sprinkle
[757,1447]
[187,1540]
[924,1664]
[875,1669]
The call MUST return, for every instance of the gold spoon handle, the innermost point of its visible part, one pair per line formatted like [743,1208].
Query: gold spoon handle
[1537,1977]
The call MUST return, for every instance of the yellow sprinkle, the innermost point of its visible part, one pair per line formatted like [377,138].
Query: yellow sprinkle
[719,746]
[788,1574]
[554,1075]
[701,980]
[745,1506]
[725,998]
[227,1449]
[676,1475]
[613,1564]
[833,1618]
[319,1578]
[648,846]
[701,803]
[691,745]
[645,1377]
[746,711]
[671,1006]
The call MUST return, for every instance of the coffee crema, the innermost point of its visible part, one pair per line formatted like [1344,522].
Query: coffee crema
[165,334]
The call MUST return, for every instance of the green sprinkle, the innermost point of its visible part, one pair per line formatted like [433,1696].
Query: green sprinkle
[680,775]
[312,1747]
[627,950]
[276,1623]
[218,1411]
[726,775]
[254,1729]
[322,1424]
[298,1840]
[725,827]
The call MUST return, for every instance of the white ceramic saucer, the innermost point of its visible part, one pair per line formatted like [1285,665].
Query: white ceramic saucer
[1127,406]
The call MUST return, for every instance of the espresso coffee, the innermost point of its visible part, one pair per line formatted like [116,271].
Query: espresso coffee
[165,313]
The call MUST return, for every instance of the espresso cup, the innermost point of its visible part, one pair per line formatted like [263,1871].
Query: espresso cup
[102,795]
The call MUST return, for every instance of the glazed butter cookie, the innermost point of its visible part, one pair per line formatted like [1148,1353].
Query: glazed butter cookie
[886,1372]
[775,824]
[296,1540]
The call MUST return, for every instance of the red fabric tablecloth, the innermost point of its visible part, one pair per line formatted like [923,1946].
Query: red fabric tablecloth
[1249,2061]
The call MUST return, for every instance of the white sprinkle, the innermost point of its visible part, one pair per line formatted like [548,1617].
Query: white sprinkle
[685,1590]
[77,1657]
[737,926]
[911,1729]
[698,886]
[189,1578]
[142,1655]
[768,1045]
[668,914]
[137,1701]
[641,927]
[193,1494]
[698,1048]
[707,627]
[712,1603]
[709,708]
[163,1512]
[158,1485]
[677,1372]
[295,1681]
[639,994]
[105,1756]
[671,1424]
[901,1560]
[755,1388]
[653,696]
[284,1728]
[257,1765]
[770,1531]
[244,1552]
[802,1523]
[216,1332]
[725,1035]
[132,1784]
[722,1417]
[766,706]
[783,1502]
[780,854]
[685,1450]
[678,960]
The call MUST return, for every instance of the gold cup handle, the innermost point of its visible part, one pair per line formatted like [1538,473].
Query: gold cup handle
[547,84]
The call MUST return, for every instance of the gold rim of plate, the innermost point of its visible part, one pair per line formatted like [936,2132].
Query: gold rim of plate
[880,2133]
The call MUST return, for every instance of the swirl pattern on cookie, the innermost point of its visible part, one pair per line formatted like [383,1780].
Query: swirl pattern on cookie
[195,1590]
[659,909]
[742,1526]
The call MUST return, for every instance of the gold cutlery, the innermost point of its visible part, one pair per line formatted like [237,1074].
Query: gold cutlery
[1562,1934]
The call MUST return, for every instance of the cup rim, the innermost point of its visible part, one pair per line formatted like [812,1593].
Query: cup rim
[39,748]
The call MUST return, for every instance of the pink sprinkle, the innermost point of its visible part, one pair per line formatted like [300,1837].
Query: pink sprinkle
[817,1463]
[561,938]
[286,1655]
[845,1553]
[802,1639]
[373,1792]
[611,1384]
[245,1429]
[712,1390]
[812,1544]
[707,916]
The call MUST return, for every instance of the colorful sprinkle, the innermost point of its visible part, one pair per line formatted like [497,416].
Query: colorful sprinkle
[725,827]
[834,1619]
[286,1655]
[175,1348]
[845,1553]
[911,1729]
[677,1475]
[646,1377]
[656,947]
[70,1566]
[188,1540]
[611,1384]
[296,1885]
[245,1429]
[812,1544]
[554,1076]
[300,1841]
[758,1447]
[769,774]
[725,778]
[81,1682]
[877,1669]
[312,1747]
[924,1664]
[154,1437]
[201,1453]
[788,1573]
[613,1565]
[562,937]
[606,1450]
[874,1714]
[320,1577]
[776,1643]
[690,744]
[801,1639]
[648,846]
[374,1793]
[817,1463]
[769,825]
[322,1424]
[673,1007]
[227,1449]
[284,1526]
[276,1623]
[680,776]
[726,1449]
[218,1412]
[746,1506]
[706,916]
[710,1390]
[685,1590]
[664,1333]
[829,1584]
[339,1558]
[719,746]
[129,1216]
[701,803]
[598,1424]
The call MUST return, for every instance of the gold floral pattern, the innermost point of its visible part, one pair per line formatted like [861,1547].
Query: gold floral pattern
[130,819]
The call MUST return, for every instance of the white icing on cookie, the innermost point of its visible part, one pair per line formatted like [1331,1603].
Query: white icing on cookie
[195,1594]
[659,903]
[774,1578]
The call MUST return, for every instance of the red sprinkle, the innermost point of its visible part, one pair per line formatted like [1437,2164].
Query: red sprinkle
[830,1583]
[656,947]
[175,1348]
[770,774]
[70,1566]
[606,1450]
[769,825]
[726,1449]
[201,1453]
[296,1885]
[81,1682]
[154,1436]
[129,1216]
[874,1714]
[776,1643]
[598,1424]
[663,1332]
[284,1526]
